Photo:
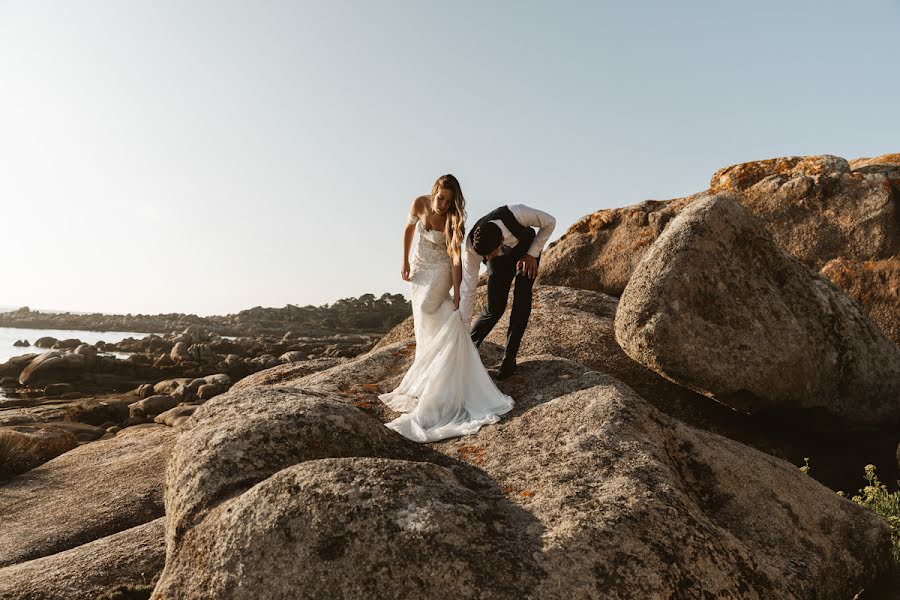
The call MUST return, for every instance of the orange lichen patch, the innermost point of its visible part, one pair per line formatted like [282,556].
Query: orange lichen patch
[594,221]
[371,387]
[472,454]
[884,159]
[364,404]
[744,175]
[511,490]
[405,350]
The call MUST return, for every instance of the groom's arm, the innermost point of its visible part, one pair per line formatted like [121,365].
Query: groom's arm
[471,263]
[532,217]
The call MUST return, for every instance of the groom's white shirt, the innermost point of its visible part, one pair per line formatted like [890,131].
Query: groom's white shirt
[471,261]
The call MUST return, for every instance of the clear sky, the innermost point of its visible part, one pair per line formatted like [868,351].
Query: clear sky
[205,157]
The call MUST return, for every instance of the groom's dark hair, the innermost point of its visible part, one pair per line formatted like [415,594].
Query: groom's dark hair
[486,238]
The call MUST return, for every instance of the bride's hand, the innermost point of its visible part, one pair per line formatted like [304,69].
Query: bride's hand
[456,300]
[404,271]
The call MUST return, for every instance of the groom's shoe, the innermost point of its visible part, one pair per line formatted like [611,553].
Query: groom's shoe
[506,370]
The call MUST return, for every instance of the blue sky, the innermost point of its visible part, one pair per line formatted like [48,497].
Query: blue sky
[205,157]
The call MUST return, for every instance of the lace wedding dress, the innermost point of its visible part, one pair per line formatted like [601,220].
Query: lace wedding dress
[447,392]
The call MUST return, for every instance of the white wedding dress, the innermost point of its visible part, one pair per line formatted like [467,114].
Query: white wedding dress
[447,392]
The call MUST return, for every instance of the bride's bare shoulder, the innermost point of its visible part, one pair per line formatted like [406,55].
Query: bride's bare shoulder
[420,205]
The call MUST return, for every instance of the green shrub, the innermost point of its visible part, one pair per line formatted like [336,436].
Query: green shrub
[887,504]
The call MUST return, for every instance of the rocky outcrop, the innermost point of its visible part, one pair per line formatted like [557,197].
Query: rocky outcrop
[818,209]
[292,491]
[287,372]
[86,494]
[129,558]
[578,325]
[601,250]
[873,284]
[717,306]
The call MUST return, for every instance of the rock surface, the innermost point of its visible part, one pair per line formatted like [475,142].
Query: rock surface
[23,448]
[717,306]
[817,208]
[875,285]
[83,495]
[128,558]
[584,491]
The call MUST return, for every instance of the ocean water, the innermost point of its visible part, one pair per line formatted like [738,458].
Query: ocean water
[9,335]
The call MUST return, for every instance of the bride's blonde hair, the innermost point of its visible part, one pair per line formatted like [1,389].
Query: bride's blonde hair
[455,227]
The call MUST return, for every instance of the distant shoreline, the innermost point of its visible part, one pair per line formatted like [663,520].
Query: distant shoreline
[367,314]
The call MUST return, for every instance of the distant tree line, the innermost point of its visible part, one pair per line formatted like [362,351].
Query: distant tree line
[365,314]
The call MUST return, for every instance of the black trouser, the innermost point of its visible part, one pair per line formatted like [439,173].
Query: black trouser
[501,272]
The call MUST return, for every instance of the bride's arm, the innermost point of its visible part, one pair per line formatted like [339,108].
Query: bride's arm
[408,233]
[457,278]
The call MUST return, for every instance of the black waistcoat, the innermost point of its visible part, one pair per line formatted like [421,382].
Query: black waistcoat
[525,235]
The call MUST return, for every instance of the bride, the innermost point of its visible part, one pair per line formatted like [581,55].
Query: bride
[447,391]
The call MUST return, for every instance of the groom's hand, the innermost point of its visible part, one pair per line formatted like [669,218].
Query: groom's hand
[528,265]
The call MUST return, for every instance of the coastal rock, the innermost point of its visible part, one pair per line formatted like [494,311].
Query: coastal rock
[89,353]
[163,361]
[175,417]
[818,209]
[267,430]
[168,386]
[145,390]
[23,448]
[69,344]
[590,490]
[152,405]
[57,389]
[15,365]
[332,523]
[578,325]
[208,390]
[52,367]
[717,306]
[21,343]
[745,175]
[128,558]
[99,411]
[601,250]
[88,493]
[875,285]
[293,356]
[45,342]
[180,352]
[288,372]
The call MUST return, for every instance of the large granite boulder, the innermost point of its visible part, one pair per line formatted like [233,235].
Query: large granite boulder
[873,284]
[287,372]
[53,367]
[88,493]
[601,250]
[717,306]
[817,208]
[244,436]
[587,492]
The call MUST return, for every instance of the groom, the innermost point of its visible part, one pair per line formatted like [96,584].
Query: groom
[505,241]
